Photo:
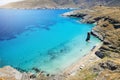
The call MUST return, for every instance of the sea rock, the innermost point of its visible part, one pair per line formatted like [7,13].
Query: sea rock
[88,36]
[36,69]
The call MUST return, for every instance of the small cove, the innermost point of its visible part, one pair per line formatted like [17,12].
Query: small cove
[42,39]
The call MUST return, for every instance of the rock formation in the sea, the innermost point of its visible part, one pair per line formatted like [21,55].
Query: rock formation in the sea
[88,37]
[36,4]
[107,29]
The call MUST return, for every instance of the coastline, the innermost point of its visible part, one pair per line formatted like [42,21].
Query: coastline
[107,29]
[64,74]
[45,74]
[83,62]
[87,59]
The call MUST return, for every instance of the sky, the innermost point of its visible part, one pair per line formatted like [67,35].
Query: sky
[3,2]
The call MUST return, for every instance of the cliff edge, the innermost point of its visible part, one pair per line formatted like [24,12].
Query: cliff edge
[107,29]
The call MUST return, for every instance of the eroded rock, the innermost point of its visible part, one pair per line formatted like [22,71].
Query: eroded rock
[9,73]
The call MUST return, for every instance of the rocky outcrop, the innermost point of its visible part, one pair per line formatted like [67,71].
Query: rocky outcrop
[9,73]
[109,65]
[74,14]
[107,29]
[107,70]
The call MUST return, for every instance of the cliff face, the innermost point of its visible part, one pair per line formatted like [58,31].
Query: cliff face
[107,29]
[60,3]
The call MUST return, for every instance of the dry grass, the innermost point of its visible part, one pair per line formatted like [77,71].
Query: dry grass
[88,73]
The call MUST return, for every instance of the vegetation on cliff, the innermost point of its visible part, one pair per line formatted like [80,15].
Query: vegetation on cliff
[107,29]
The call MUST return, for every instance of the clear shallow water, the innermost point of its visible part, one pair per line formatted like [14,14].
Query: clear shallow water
[42,39]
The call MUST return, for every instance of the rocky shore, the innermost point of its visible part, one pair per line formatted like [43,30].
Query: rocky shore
[107,29]
[107,26]
[10,73]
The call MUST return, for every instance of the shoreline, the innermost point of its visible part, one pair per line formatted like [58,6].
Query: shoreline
[87,59]
[107,29]
[82,62]
[71,70]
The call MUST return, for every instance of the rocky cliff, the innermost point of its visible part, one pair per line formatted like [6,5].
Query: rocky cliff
[107,20]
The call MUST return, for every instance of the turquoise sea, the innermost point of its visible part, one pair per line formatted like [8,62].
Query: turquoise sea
[42,39]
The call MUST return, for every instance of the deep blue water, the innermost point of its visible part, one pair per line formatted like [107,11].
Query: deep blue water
[42,39]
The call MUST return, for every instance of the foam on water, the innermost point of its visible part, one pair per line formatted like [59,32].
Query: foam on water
[42,39]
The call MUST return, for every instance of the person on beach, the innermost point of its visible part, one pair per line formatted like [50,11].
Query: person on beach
[88,37]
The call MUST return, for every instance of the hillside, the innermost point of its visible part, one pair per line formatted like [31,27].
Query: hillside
[60,3]
[107,29]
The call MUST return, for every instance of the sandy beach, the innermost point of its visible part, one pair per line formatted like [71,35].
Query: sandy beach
[82,62]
